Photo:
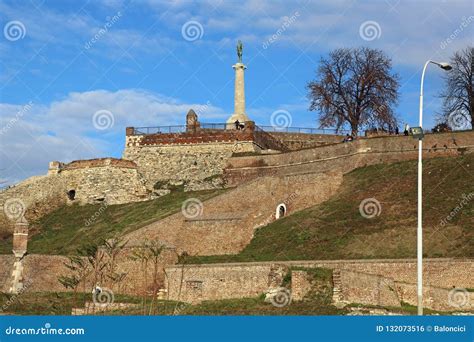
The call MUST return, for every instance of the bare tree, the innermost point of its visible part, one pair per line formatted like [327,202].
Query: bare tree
[355,87]
[458,96]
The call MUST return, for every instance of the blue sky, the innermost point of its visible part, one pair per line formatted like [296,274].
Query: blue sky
[63,61]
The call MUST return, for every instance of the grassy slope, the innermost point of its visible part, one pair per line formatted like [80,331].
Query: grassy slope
[336,230]
[64,230]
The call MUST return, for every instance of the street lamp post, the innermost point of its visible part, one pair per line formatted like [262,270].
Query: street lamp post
[419,235]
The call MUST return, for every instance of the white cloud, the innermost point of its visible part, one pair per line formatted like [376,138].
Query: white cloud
[411,31]
[64,130]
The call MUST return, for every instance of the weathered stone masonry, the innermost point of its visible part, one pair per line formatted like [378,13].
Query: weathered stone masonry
[227,222]
[86,181]
[379,282]
[194,155]
[348,156]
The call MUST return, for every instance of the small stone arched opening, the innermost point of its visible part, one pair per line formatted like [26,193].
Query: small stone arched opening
[280,210]
[71,194]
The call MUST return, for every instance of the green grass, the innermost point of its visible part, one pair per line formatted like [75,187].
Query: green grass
[66,229]
[50,303]
[257,306]
[315,303]
[62,304]
[335,229]
[42,303]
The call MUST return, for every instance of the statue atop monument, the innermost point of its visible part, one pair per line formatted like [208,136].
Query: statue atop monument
[239,114]
[240,47]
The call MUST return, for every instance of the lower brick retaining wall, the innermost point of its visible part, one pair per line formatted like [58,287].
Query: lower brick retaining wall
[194,283]
[41,273]
[363,288]
[375,282]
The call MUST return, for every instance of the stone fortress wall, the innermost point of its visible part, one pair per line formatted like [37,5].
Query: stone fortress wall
[86,181]
[375,282]
[197,154]
[189,163]
[345,157]
[40,273]
[299,141]
[223,229]
[281,174]
[226,223]
[371,282]
[112,180]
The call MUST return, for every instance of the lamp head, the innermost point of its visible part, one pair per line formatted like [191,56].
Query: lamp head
[445,66]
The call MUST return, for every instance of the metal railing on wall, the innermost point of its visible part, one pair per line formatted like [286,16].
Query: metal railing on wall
[224,126]
[307,130]
[177,128]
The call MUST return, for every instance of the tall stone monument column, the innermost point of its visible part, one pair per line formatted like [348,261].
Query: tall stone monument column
[239,92]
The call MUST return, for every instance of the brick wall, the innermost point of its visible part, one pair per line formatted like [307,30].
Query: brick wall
[344,157]
[186,162]
[435,298]
[200,137]
[363,288]
[6,268]
[298,141]
[225,224]
[373,289]
[99,162]
[300,284]
[376,282]
[41,273]
[207,282]
[112,180]
[196,155]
